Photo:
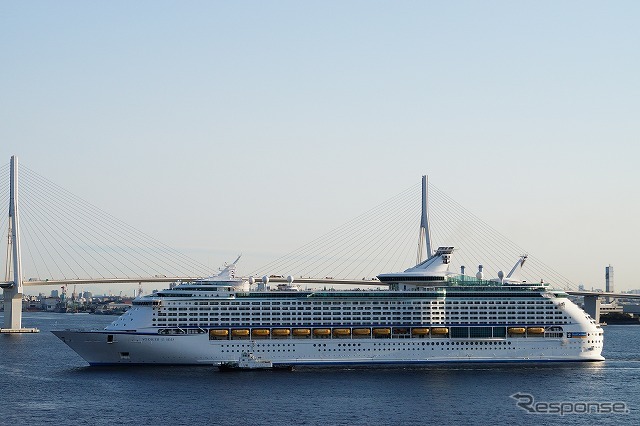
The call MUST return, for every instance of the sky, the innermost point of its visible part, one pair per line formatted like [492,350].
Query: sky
[253,127]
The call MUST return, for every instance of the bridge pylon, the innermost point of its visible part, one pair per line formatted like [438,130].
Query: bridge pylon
[424,239]
[12,287]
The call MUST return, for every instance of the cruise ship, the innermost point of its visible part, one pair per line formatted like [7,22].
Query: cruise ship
[426,314]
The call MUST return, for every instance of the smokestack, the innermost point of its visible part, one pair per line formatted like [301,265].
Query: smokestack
[479,275]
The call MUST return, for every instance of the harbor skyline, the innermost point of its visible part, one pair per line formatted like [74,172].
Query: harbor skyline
[223,128]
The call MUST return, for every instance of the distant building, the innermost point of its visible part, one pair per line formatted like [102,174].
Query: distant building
[632,310]
[31,303]
[608,277]
[580,287]
[49,304]
[54,293]
[608,308]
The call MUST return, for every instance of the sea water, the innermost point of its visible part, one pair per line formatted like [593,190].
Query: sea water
[43,381]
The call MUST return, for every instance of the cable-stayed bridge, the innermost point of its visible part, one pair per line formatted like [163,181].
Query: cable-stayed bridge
[67,239]
[56,238]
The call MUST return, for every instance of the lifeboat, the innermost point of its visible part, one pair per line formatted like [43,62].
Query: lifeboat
[535,330]
[381,331]
[260,332]
[361,332]
[439,330]
[321,332]
[419,331]
[219,333]
[341,332]
[240,333]
[516,330]
[281,332]
[301,332]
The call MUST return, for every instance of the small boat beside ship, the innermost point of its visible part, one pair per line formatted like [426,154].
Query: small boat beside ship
[250,362]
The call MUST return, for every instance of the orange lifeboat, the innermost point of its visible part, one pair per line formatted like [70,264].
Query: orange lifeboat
[419,331]
[260,332]
[516,330]
[240,332]
[218,333]
[381,331]
[301,332]
[361,332]
[535,330]
[281,332]
[439,330]
[321,332]
[342,332]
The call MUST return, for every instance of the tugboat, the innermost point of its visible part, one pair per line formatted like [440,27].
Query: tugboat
[249,361]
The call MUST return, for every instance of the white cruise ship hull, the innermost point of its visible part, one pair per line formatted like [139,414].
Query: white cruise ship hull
[426,318]
[98,348]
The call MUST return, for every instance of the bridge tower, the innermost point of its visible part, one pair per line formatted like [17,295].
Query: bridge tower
[12,287]
[424,240]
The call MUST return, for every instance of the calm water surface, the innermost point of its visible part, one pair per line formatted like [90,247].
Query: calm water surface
[43,381]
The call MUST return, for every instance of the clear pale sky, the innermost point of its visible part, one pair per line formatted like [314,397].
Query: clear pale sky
[256,126]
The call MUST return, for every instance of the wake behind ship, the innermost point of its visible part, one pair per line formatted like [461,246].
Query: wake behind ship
[427,315]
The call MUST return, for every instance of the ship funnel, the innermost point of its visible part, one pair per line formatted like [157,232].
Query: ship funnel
[262,286]
[479,275]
